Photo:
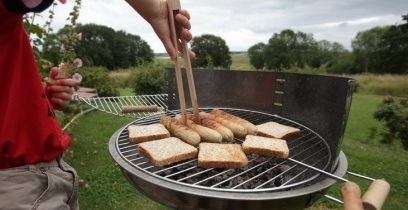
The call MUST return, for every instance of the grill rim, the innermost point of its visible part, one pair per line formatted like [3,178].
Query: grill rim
[299,184]
[137,176]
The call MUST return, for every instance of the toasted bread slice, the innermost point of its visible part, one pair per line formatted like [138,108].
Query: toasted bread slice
[143,133]
[215,155]
[167,151]
[265,146]
[276,130]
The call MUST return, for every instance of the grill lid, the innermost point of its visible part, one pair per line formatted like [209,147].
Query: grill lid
[261,174]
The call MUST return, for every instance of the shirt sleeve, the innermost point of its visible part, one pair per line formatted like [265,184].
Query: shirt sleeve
[18,6]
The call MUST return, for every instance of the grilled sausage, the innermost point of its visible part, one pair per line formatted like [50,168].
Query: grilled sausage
[226,133]
[251,128]
[351,196]
[206,134]
[238,130]
[180,130]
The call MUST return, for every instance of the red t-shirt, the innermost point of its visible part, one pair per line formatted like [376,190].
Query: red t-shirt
[29,130]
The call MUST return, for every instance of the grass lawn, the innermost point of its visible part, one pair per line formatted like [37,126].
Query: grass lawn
[102,184]
[104,187]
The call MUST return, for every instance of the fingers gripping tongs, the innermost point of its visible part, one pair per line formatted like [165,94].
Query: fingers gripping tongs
[174,8]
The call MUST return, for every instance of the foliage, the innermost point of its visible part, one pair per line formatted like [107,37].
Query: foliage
[38,34]
[393,52]
[121,78]
[211,52]
[343,63]
[386,84]
[98,77]
[257,55]
[51,49]
[382,49]
[103,46]
[148,78]
[307,69]
[366,45]
[394,112]
[377,50]
[289,49]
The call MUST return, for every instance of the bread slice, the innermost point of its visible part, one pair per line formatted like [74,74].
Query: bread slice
[276,130]
[143,133]
[167,151]
[215,155]
[265,146]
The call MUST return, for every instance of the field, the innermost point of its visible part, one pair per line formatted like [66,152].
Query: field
[103,186]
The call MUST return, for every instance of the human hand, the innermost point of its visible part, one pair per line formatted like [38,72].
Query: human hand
[60,91]
[155,12]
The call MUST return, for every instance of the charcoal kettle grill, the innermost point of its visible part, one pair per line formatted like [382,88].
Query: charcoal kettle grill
[317,105]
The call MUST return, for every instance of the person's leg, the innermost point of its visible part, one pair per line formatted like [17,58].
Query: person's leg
[39,186]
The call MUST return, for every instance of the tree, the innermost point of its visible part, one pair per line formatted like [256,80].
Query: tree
[103,46]
[96,46]
[131,50]
[366,45]
[211,52]
[256,55]
[287,49]
[393,49]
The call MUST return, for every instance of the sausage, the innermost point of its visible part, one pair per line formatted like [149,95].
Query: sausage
[180,130]
[206,134]
[227,135]
[237,129]
[351,196]
[251,128]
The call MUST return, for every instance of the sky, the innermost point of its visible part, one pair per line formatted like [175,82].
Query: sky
[244,23]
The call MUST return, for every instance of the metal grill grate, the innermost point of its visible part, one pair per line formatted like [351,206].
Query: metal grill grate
[112,105]
[261,173]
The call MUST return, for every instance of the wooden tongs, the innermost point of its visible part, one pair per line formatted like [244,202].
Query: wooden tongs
[174,8]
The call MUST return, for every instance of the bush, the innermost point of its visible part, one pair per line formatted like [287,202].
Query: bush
[98,77]
[394,112]
[121,78]
[148,78]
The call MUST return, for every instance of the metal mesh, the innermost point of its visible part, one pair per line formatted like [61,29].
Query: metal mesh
[261,174]
[113,105]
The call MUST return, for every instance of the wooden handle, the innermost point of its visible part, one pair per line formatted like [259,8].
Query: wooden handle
[131,109]
[351,193]
[173,7]
[376,194]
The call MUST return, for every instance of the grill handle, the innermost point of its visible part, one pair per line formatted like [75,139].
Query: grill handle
[132,109]
[376,194]
[374,197]
[351,193]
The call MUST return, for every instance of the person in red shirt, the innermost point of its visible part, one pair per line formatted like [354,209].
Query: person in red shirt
[32,172]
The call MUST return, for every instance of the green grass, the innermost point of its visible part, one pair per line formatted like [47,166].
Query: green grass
[387,84]
[240,62]
[369,157]
[103,185]
[126,91]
